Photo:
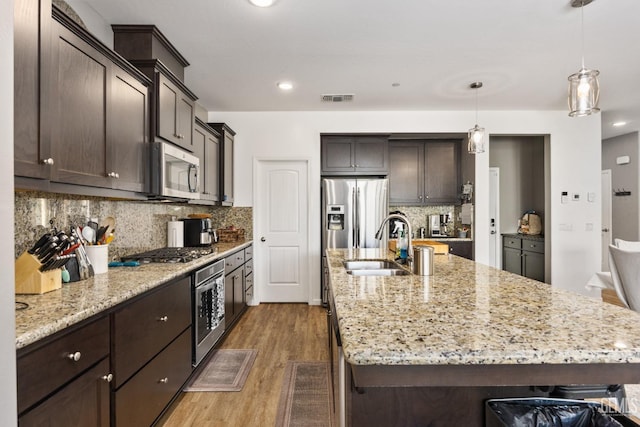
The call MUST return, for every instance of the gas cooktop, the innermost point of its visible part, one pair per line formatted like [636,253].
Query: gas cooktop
[170,254]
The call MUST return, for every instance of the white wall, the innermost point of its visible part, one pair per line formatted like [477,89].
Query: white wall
[575,167]
[624,209]
[8,405]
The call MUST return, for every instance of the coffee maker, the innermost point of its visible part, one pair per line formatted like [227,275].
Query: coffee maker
[434,226]
[199,232]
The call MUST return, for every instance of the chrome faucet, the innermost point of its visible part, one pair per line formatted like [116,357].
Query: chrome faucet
[404,219]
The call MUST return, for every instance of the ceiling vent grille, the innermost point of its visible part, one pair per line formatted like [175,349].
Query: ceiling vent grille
[338,98]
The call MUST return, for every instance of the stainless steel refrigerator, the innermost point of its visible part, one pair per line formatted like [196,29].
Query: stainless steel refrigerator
[352,211]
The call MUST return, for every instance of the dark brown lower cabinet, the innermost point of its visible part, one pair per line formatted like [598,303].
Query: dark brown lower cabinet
[463,249]
[83,402]
[234,301]
[144,397]
[45,367]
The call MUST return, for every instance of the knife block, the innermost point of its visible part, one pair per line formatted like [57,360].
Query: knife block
[29,278]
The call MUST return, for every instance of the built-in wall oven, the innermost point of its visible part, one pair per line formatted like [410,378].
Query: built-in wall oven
[208,309]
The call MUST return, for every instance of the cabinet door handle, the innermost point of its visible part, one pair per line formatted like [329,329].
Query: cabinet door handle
[163,319]
[108,378]
[113,175]
[74,356]
[164,380]
[48,161]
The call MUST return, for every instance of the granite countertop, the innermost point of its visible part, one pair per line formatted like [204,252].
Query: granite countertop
[470,314]
[524,236]
[53,311]
[447,239]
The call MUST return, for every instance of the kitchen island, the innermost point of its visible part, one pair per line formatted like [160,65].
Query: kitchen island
[429,350]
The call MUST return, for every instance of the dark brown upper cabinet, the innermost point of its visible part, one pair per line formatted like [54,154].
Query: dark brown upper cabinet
[425,172]
[173,103]
[227,141]
[355,154]
[82,115]
[206,145]
[176,112]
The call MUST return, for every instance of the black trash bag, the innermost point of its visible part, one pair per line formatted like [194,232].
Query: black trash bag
[537,414]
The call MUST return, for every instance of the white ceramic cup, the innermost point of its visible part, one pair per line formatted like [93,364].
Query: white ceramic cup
[98,257]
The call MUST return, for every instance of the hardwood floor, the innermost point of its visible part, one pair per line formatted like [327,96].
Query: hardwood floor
[280,332]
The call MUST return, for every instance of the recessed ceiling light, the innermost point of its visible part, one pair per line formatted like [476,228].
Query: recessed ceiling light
[618,124]
[262,3]
[285,85]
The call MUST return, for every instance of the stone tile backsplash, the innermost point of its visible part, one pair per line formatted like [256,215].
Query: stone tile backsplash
[418,215]
[139,225]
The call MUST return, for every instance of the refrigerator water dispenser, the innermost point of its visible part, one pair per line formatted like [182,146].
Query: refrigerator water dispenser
[335,220]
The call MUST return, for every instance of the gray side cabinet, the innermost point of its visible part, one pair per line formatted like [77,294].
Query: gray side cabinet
[424,172]
[355,154]
[524,256]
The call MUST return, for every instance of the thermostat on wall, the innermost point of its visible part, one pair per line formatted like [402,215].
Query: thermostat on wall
[622,160]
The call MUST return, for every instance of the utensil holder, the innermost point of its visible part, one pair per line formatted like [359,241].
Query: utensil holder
[423,260]
[29,278]
[98,257]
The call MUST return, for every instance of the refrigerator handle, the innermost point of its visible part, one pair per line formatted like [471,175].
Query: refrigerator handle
[354,219]
[358,217]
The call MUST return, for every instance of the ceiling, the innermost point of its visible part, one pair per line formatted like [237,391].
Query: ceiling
[523,52]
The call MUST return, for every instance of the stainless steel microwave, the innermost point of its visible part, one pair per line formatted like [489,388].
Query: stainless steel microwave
[175,173]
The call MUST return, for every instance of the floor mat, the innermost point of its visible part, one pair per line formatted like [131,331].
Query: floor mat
[227,370]
[305,399]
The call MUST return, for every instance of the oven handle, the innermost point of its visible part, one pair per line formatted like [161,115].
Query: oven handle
[209,283]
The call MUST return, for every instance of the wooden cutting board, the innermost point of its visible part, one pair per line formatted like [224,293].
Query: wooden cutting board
[438,247]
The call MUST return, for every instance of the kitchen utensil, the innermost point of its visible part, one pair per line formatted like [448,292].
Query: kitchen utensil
[110,222]
[199,215]
[100,234]
[124,264]
[89,234]
[41,242]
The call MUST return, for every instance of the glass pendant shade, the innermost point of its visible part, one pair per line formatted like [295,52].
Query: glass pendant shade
[584,92]
[476,140]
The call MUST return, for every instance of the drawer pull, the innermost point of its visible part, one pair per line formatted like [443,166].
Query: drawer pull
[48,161]
[108,378]
[74,356]
[163,319]
[164,380]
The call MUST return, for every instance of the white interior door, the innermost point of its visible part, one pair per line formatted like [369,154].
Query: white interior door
[495,254]
[282,231]
[606,217]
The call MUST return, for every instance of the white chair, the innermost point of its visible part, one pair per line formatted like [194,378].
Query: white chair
[627,245]
[625,274]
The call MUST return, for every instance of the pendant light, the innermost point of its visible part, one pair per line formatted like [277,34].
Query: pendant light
[476,133]
[584,89]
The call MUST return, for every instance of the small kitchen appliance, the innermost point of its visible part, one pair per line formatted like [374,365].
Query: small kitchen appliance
[434,226]
[198,232]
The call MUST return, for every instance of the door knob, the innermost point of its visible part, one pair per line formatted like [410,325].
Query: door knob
[262,239]
[605,230]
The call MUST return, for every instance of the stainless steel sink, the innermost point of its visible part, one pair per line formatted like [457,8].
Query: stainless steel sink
[369,264]
[372,267]
[379,272]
